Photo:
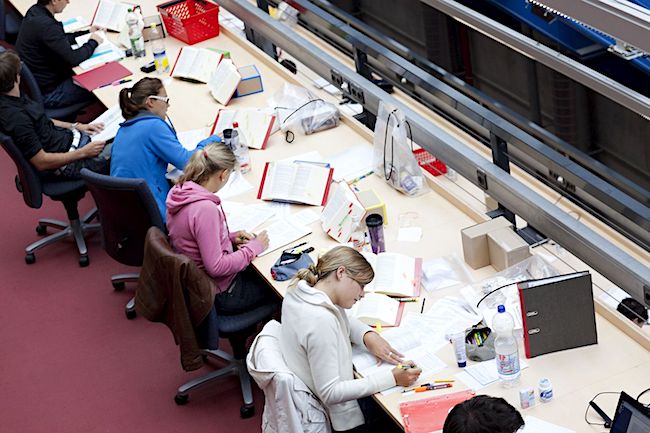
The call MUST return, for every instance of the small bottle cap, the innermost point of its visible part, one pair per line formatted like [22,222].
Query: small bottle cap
[544,382]
[153,26]
[235,124]
[374,220]
[501,309]
[462,364]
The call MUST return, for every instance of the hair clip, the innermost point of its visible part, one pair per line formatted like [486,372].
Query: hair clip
[205,153]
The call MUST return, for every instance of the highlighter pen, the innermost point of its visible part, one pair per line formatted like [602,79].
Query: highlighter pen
[406,366]
[432,387]
[407,299]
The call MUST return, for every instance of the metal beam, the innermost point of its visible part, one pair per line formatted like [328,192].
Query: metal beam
[596,251]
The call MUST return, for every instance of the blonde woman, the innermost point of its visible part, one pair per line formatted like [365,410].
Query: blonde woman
[317,335]
[198,228]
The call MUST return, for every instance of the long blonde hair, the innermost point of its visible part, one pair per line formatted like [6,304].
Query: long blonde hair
[356,266]
[207,161]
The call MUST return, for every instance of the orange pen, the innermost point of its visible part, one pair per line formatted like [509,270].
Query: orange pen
[432,387]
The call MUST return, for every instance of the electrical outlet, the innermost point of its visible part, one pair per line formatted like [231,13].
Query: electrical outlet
[482,179]
[646,294]
[357,93]
[336,77]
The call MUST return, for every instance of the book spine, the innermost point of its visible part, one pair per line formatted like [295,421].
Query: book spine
[92,21]
[266,169]
[417,277]
[171,74]
[400,312]
[327,187]
[524,322]
[268,132]
[216,120]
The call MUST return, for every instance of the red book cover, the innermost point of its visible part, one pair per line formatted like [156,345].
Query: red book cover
[102,76]
[524,322]
[266,168]
[428,414]
[327,187]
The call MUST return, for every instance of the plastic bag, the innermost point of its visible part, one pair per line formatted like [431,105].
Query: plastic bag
[297,109]
[443,272]
[393,156]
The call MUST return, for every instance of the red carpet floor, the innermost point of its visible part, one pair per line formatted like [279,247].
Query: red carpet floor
[69,359]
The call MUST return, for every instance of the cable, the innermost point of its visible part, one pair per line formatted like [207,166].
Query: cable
[589,405]
[638,398]
[388,175]
[290,136]
[498,288]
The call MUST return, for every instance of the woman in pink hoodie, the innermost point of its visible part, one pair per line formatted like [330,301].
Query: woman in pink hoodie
[198,228]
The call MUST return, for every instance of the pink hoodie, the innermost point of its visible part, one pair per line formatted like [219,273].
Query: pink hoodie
[198,228]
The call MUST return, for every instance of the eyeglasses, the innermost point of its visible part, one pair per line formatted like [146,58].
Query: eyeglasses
[165,99]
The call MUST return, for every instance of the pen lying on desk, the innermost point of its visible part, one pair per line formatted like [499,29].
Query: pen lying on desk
[428,387]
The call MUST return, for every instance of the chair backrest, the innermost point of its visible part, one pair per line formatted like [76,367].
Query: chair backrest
[3,20]
[29,85]
[28,180]
[126,210]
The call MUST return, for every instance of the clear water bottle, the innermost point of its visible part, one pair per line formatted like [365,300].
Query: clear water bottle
[505,347]
[159,53]
[135,34]
[241,150]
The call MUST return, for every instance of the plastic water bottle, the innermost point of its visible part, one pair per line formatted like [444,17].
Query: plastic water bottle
[159,53]
[505,347]
[240,150]
[135,34]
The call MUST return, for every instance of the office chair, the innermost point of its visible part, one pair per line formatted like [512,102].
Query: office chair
[32,185]
[159,259]
[10,22]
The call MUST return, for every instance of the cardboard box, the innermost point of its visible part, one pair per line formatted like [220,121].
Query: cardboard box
[251,81]
[372,203]
[506,248]
[475,243]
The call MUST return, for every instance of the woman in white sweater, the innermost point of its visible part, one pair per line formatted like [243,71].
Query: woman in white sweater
[317,335]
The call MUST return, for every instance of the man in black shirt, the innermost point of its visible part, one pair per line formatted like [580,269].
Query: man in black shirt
[48,144]
[46,49]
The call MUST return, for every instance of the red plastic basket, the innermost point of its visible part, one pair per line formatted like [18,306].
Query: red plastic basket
[191,21]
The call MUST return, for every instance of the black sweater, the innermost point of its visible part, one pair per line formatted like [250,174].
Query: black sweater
[46,48]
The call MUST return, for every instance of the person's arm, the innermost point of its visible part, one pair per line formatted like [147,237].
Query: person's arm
[56,40]
[88,128]
[322,354]
[51,161]
[207,223]
[72,37]
[165,144]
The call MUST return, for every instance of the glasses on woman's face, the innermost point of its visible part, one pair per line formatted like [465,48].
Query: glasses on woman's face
[165,99]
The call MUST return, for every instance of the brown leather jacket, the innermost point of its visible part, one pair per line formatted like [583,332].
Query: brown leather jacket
[172,290]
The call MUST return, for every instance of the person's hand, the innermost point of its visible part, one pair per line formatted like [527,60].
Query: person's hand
[211,139]
[96,28]
[264,238]
[406,376]
[242,237]
[93,148]
[379,347]
[91,128]
[95,37]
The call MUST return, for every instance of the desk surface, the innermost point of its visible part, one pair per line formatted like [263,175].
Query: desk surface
[616,363]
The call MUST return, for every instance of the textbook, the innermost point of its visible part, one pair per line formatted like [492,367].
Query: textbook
[195,64]
[428,414]
[376,308]
[557,313]
[281,233]
[111,119]
[223,81]
[395,274]
[342,214]
[111,15]
[255,126]
[101,76]
[293,182]
[105,52]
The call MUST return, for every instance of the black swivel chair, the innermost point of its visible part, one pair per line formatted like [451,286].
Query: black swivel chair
[10,22]
[33,185]
[126,210]
[159,257]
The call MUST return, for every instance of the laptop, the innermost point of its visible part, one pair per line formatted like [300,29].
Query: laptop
[631,416]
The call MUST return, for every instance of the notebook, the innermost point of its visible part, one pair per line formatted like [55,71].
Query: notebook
[292,182]
[255,126]
[428,415]
[101,76]
[557,313]
[395,274]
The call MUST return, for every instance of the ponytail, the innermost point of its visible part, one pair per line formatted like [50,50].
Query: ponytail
[134,100]
[207,161]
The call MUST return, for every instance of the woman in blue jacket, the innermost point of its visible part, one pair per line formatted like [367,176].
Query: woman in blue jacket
[145,143]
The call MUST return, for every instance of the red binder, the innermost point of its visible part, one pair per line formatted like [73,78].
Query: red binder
[101,76]
[429,414]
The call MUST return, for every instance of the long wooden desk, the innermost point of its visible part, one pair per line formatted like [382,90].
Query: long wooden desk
[617,362]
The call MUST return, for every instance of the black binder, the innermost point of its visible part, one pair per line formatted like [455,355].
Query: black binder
[557,313]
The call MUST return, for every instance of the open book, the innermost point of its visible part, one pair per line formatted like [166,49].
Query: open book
[224,81]
[395,274]
[295,183]
[342,214]
[376,308]
[195,64]
[255,126]
[105,52]
[111,119]
[111,15]
[281,233]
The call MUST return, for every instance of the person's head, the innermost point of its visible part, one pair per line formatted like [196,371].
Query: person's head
[483,414]
[9,71]
[633,310]
[55,6]
[148,94]
[210,167]
[341,273]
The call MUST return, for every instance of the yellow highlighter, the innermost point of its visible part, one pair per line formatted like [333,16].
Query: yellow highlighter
[378,327]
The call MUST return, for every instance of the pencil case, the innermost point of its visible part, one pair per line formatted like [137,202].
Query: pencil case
[288,265]
[479,343]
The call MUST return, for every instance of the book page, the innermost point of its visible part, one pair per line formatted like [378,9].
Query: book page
[105,52]
[111,15]
[374,307]
[254,125]
[394,274]
[73,24]
[196,64]
[282,233]
[189,139]
[292,182]
[111,119]
[249,218]
[342,213]
[224,81]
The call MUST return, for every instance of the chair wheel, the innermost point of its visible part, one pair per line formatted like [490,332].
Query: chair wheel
[246,411]
[41,230]
[30,258]
[130,313]
[84,261]
[118,286]
[181,399]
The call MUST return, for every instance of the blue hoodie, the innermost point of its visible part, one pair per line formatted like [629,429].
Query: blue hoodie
[143,147]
